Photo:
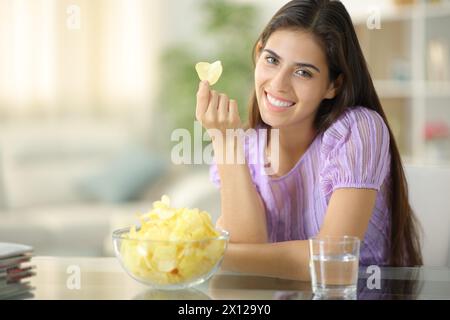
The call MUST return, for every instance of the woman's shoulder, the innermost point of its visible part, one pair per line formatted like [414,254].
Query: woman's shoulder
[355,150]
[358,114]
[359,126]
[353,119]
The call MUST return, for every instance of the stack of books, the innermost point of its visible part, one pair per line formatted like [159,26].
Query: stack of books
[15,269]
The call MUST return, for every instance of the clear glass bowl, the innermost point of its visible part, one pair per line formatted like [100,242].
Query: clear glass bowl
[170,265]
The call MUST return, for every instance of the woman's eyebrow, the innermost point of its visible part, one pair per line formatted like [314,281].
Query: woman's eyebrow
[298,64]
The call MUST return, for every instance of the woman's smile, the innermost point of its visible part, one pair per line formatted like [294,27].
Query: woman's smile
[277,104]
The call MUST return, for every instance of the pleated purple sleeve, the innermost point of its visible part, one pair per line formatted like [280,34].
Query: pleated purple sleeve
[355,152]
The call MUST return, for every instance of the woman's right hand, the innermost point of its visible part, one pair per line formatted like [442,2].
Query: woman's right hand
[242,209]
[215,110]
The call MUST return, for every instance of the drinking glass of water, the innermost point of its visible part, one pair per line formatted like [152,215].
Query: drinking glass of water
[334,263]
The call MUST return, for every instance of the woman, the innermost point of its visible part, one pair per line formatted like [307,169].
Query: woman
[339,170]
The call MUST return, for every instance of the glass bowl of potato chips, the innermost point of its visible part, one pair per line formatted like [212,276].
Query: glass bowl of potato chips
[171,248]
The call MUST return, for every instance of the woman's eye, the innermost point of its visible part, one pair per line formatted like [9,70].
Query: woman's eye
[271,60]
[300,73]
[303,73]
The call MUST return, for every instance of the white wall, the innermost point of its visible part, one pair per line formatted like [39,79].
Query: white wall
[430,198]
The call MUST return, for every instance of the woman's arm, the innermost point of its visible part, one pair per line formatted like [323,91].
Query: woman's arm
[242,210]
[348,213]
[288,260]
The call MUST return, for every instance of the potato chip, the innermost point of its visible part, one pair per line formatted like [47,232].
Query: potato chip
[173,245]
[209,72]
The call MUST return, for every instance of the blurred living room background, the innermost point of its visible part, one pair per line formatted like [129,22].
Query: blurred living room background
[91,90]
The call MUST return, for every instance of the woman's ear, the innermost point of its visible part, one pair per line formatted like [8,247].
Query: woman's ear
[258,49]
[334,87]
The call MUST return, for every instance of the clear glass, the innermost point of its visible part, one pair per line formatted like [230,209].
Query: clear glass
[170,265]
[334,263]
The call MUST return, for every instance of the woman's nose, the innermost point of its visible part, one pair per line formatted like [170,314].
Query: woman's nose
[281,81]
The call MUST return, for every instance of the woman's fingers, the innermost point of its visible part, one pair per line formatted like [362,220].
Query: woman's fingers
[233,114]
[222,111]
[211,113]
[216,110]
[203,97]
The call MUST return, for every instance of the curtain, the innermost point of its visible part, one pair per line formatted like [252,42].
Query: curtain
[78,58]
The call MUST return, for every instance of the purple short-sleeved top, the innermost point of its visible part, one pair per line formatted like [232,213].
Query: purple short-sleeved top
[352,153]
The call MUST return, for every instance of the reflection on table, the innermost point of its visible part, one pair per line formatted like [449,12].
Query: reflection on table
[103,278]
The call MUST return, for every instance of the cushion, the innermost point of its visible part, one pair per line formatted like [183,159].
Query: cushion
[125,178]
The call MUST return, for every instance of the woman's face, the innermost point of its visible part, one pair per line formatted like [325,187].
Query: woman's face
[291,79]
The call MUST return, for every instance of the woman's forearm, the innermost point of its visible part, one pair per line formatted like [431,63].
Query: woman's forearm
[287,260]
[242,210]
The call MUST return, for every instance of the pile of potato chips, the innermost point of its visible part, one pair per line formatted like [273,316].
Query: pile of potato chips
[173,245]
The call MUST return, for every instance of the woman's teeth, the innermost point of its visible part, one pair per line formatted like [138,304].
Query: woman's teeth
[278,103]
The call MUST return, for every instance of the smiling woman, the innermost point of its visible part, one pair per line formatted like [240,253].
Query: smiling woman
[291,90]
[339,170]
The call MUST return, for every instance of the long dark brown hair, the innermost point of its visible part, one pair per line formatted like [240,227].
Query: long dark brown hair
[332,26]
